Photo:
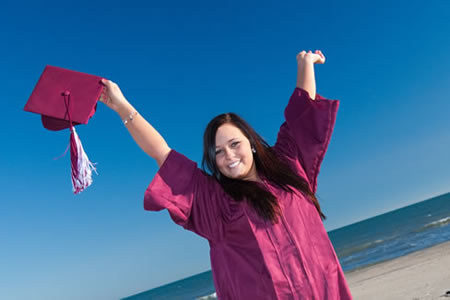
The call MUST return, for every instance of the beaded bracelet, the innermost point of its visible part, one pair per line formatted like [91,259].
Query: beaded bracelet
[130,118]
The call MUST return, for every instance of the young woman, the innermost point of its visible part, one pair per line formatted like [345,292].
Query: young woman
[258,208]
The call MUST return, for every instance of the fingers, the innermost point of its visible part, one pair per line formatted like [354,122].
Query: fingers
[303,53]
[315,57]
[309,51]
[107,83]
[103,96]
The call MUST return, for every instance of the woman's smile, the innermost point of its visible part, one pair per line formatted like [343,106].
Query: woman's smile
[234,164]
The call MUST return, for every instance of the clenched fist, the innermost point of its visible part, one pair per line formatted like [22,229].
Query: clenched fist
[316,58]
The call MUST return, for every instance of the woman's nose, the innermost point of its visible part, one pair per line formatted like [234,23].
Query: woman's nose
[228,153]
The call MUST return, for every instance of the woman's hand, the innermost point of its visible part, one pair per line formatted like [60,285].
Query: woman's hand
[112,96]
[316,58]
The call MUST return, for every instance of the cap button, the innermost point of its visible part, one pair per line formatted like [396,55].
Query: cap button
[66,93]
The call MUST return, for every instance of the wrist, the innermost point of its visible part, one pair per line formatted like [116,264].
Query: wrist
[124,109]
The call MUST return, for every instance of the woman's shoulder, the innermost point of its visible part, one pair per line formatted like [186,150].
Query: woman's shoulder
[294,163]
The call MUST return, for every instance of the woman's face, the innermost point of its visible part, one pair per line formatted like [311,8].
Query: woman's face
[234,156]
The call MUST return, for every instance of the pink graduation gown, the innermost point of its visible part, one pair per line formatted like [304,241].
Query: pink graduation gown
[251,258]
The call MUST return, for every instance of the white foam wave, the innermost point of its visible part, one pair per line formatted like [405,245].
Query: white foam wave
[209,297]
[440,222]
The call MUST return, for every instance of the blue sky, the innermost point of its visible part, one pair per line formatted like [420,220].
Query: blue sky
[180,64]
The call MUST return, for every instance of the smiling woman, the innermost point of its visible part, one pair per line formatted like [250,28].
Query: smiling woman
[258,208]
[234,156]
[238,157]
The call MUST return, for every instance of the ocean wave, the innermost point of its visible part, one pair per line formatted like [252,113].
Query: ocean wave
[359,248]
[209,297]
[438,223]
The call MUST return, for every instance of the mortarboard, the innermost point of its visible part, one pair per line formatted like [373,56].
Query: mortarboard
[65,98]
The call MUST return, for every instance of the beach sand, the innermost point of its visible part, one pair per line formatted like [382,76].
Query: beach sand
[420,275]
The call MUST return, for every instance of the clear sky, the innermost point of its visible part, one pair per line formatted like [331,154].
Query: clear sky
[180,63]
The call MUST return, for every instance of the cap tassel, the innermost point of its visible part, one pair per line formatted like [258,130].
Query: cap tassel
[81,166]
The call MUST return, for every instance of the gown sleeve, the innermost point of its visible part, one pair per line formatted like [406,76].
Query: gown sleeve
[192,197]
[304,136]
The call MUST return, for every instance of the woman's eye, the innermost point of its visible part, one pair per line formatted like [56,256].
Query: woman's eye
[234,144]
[218,151]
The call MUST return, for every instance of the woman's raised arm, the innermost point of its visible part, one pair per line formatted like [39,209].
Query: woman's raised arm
[148,139]
[305,70]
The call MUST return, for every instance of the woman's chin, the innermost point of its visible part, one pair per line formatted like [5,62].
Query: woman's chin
[240,176]
[234,175]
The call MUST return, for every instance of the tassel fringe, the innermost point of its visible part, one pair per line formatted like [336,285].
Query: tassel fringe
[81,166]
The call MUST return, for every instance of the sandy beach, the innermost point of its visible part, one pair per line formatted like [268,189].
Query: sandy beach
[421,275]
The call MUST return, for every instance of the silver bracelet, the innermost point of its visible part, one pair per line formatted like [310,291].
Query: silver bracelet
[130,118]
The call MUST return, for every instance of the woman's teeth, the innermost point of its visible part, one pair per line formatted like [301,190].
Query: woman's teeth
[234,164]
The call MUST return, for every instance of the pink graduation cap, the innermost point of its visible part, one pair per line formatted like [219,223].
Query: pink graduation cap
[65,98]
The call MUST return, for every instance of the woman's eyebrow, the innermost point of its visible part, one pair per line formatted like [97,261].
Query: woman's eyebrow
[227,142]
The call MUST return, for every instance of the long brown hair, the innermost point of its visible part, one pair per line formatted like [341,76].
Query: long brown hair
[267,163]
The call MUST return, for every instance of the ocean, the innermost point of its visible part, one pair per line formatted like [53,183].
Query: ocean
[370,241]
